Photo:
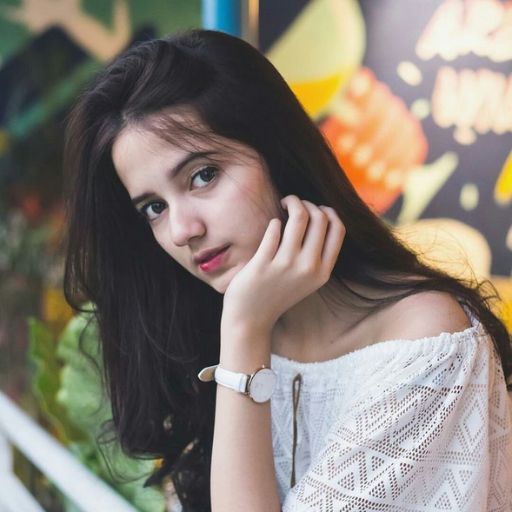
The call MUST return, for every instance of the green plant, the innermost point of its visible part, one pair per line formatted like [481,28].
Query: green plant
[67,382]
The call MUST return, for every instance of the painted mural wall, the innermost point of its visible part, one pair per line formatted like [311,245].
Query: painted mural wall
[413,96]
[415,99]
[48,50]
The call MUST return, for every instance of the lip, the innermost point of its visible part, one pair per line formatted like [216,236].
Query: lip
[203,256]
[214,262]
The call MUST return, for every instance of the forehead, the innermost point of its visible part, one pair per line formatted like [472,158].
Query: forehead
[156,145]
[135,145]
[156,134]
[174,133]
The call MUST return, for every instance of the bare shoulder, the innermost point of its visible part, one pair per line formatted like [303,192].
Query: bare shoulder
[424,314]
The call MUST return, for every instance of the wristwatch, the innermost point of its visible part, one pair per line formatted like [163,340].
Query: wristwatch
[259,385]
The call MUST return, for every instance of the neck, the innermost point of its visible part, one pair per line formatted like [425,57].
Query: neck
[308,329]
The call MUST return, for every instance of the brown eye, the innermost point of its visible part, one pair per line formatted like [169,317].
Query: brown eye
[152,210]
[207,174]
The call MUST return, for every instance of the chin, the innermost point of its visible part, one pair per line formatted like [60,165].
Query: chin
[221,284]
[218,287]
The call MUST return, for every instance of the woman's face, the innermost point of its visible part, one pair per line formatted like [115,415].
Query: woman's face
[195,202]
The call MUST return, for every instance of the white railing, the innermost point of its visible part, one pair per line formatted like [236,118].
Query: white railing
[73,479]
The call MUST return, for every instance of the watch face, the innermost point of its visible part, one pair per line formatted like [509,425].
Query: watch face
[262,385]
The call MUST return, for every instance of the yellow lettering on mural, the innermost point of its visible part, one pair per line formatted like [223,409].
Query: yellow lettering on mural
[469,196]
[444,97]
[472,101]
[409,73]
[420,108]
[459,27]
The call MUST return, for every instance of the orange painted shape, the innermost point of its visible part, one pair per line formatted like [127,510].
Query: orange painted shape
[379,143]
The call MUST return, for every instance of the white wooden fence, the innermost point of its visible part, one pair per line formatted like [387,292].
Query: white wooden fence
[73,479]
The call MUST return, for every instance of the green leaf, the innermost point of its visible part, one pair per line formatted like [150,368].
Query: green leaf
[82,395]
[46,382]
[129,476]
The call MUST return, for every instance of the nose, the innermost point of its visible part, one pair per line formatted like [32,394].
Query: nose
[185,223]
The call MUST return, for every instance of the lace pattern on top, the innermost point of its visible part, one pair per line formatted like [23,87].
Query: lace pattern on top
[402,425]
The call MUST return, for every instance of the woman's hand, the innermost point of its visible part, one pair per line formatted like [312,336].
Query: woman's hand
[283,272]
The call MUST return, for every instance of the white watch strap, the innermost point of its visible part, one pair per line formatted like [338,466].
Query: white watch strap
[233,380]
[261,388]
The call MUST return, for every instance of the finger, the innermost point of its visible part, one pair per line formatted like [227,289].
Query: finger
[334,238]
[270,241]
[295,228]
[314,238]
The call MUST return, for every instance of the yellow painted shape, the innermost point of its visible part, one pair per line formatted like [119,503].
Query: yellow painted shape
[320,50]
[315,94]
[55,310]
[460,250]
[4,142]
[503,309]
[503,188]
[450,245]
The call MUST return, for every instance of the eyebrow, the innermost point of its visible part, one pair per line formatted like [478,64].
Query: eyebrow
[174,172]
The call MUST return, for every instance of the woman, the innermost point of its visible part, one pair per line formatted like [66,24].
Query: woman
[210,224]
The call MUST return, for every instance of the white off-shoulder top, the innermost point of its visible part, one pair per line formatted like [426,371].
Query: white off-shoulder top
[401,425]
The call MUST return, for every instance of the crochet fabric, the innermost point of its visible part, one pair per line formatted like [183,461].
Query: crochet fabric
[401,425]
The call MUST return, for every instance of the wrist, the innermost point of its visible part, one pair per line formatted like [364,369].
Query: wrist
[244,348]
[242,329]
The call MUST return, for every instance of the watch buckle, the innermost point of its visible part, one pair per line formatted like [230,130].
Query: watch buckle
[207,374]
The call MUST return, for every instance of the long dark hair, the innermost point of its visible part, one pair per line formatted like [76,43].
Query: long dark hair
[146,305]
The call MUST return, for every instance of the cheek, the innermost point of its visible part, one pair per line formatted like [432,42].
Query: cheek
[172,251]
[249,226]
